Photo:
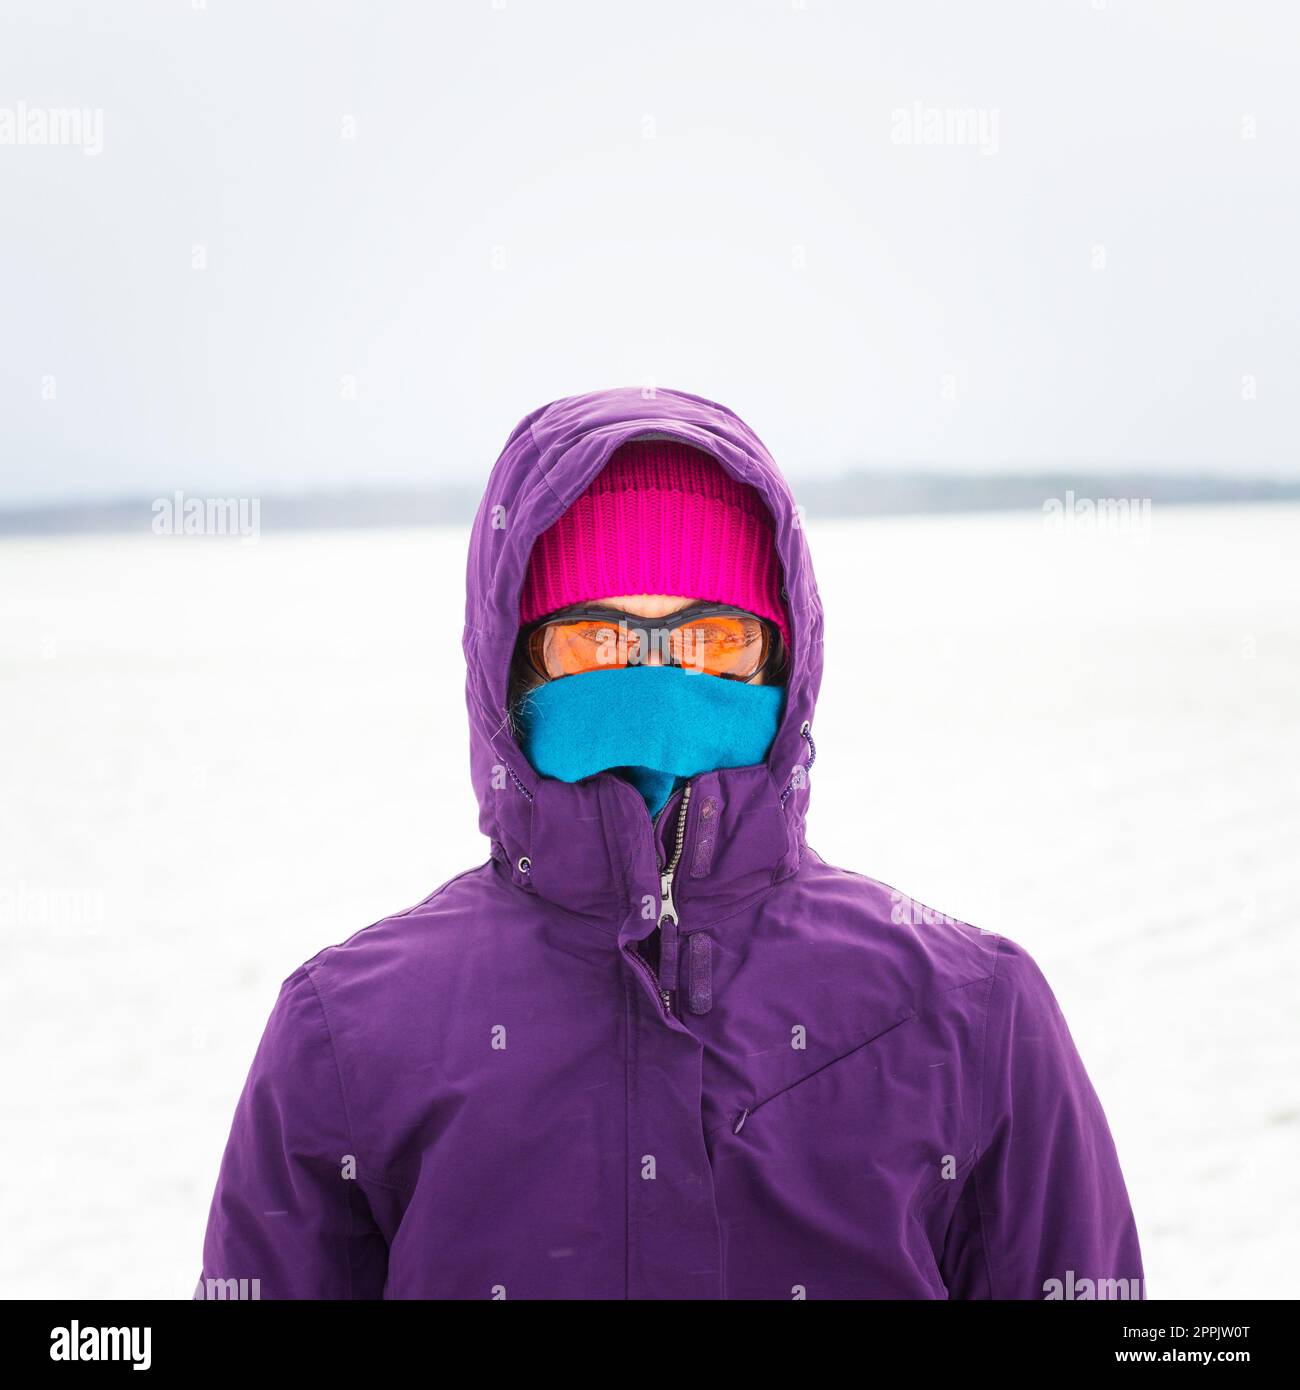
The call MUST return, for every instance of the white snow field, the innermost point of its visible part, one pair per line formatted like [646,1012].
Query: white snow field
[219,756]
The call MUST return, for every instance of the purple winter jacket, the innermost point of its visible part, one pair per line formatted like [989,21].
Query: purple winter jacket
[819,1089]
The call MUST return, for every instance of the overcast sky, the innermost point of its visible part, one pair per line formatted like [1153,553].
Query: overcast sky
[316,245]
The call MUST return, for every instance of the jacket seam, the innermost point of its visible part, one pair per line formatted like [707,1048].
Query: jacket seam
[616,862]
[964,1168]
[363,1180]
[753,900]
[543,473]
[971,1157]
[979,1126]
[347,1118]
[395,916]
[384,1180]
[611,923]
[608,924]
[629,1111]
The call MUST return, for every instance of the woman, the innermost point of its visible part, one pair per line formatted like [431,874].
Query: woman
[655,1046]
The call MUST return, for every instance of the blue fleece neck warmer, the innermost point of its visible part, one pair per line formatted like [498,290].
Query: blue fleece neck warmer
[654,725]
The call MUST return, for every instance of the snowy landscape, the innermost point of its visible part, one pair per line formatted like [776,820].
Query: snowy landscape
[221,754]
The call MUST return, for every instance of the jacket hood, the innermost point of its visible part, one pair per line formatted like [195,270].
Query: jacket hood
[589,845]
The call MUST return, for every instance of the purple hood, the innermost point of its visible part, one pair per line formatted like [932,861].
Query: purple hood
[548,461]
[687,1059]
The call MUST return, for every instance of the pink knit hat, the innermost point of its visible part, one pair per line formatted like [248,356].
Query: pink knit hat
[661,517]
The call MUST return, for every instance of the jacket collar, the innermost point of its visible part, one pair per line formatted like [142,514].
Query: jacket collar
[590,847]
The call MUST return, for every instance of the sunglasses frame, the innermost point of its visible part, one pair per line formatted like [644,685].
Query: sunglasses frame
[638,622]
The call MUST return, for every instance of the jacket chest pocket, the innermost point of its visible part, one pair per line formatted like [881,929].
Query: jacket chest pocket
[826,1074]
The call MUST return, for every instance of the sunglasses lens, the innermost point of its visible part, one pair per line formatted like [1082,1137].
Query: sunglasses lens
[719,645]
[568,649]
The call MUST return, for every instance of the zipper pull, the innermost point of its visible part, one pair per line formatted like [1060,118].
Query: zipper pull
[667,908]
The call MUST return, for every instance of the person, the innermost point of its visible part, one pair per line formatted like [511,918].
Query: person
[655,1047]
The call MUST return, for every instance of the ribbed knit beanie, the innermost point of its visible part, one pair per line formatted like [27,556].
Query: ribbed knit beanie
[661,517]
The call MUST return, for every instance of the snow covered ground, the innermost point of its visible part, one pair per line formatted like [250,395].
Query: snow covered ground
[217,757]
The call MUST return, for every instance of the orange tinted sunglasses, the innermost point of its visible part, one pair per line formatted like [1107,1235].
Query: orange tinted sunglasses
[712,638]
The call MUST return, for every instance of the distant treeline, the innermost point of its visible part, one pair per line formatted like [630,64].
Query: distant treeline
[876,492]
[896,491]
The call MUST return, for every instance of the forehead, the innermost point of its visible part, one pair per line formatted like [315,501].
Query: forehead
[645,605]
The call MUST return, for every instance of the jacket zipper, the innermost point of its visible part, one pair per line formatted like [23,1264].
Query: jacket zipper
[667,908]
